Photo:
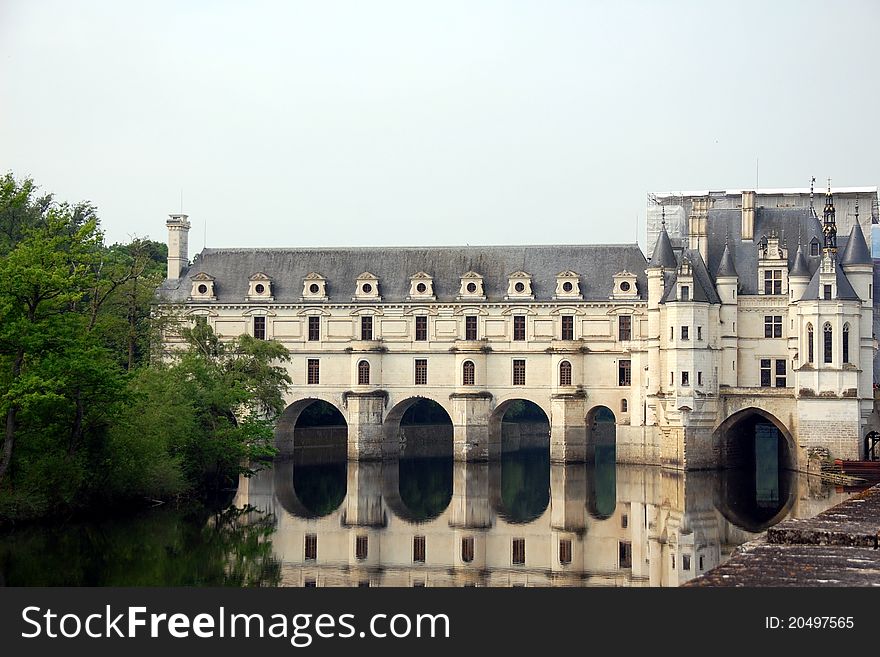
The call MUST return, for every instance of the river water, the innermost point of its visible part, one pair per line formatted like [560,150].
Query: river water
[316,519]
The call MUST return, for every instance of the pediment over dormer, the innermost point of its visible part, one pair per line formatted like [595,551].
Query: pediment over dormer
[202,276]
[259,276]
[367,276]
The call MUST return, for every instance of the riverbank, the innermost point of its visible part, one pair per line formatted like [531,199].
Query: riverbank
[838,547]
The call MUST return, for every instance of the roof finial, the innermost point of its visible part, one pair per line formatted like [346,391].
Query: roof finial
[812,184]
[663,216]
[857,209]
[829,225]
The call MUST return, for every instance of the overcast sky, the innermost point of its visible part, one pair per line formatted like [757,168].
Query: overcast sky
[371,122]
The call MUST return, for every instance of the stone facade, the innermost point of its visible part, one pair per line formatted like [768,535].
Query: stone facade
[730,325]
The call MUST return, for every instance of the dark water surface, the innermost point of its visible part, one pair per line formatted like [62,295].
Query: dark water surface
[424,520]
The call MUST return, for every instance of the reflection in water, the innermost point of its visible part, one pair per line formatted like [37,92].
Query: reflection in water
[525,484]
[317,520]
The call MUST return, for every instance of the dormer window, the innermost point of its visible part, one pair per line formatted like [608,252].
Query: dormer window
[519,286]
[471,287]
[202,287]
[367,288]
[568,285]
[625,286]
[685,293]
[314,287]
[421,287]
[260,287]
[814,247]
[772,266]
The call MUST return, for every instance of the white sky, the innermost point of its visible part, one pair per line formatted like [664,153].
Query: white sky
[369,123]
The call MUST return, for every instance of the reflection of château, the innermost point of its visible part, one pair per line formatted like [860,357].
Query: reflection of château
[757,324]
[600,524]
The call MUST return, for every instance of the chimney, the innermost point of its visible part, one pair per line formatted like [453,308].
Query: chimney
[178,244]
[748,215]
[698,234]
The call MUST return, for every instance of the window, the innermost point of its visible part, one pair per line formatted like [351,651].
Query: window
[672,378]
[809,343]
[419,549]
[421,328]
[826,294]
[313,371]
[518,550]
[624,521]
[624,373]
[699,333]
[201,321]
[467,549]
[568,327]
[625,554]
[773,374]
[780,373]
[468,373]
[685,378]
[564,551]
[311,547]
[699,378]
[684,333]
[519,327]
[765,372]
[367,327]
[772,326]
[363,373]
[361,545]
[845,344]
[870,291]
[701,563]
[624,327]
[673,562]
[814,247]
[685,293]
[519,372]
[260,328]
[624,406]
[310,583]
[828,342]
[470,327]
[421,375]
[565,373]
[314,328]
[773,281]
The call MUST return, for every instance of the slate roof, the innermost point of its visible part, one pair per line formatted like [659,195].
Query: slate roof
[663,255]
[394,266]
[856,251]
[800,267]
[703,288]
[844,287]
[727,266]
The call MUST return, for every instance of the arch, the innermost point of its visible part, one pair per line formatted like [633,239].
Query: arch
[601,428]
[421,425]
[285,426]
[564,373]
[731,457]
[536,416]
[845,342]
[739,505]
[519,485]
[468,373]
[363,373]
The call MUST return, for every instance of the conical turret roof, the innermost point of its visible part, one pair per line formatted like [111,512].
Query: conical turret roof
[856,251]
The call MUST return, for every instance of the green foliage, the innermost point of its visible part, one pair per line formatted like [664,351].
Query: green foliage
[89,419]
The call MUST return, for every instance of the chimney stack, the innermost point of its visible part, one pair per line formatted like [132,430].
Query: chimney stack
[748,215]
[178,244]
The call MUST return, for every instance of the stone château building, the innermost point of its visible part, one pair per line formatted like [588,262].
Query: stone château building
[761,322]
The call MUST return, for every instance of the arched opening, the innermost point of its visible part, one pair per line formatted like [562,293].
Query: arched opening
[845,343]
[421,427]
[828,343]
[468,373]
[602,433]
[363,373]
[758,455]
[521,480]
[602,448]
[418,489]
[810,349]
[313,425]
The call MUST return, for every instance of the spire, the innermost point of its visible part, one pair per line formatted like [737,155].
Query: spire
[856,251]
[663,255]
[726,267]
[829,225]
[812,209]
[800,267]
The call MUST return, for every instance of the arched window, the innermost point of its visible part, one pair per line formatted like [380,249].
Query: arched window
[565,373]
[467,373]
[828,342]
[845,343]
[624,406]
[363,373]
[809,343]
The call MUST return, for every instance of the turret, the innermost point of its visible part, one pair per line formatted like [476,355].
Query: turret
[799,276]
[178,244]
[727,282]
[856,261]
